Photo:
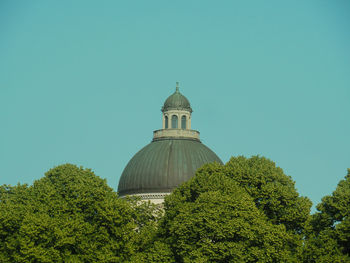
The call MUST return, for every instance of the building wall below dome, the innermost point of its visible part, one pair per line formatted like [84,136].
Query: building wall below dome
[155,198]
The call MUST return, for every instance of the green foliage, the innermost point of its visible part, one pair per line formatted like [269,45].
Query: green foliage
[212,219]
[322,247]
[247,210]
[147,248]
[273,192]
[155,251]
[329,237]
[70,215]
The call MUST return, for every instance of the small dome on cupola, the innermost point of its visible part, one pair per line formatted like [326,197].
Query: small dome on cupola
[176,101]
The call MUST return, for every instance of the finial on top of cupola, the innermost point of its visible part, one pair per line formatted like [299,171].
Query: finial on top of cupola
[177,86]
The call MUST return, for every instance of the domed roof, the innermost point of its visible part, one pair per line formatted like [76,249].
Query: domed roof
[163,165]
[176,101]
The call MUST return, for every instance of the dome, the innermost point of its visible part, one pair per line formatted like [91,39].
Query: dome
[176,101]
[163,165]
[172,157]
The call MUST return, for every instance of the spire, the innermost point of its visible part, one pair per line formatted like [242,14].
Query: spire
[177,86]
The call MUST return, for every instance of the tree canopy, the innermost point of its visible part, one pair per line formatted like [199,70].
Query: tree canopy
[70,215]
[212,219]
[329,237]
[273,192]
[247,210]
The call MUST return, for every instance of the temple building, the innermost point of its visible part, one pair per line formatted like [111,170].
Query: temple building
[172,157]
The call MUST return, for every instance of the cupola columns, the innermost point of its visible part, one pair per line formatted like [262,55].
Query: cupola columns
[177,119]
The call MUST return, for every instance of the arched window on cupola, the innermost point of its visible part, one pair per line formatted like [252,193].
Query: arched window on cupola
[174,122]
[183,122]
[166,122]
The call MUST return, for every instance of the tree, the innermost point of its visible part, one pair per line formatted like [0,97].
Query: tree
[273,192]
[329,237]
[148,246]
[70,215]
[212,219]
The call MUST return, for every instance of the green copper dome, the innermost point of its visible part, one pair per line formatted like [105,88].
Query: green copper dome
[176,101]
[163,165]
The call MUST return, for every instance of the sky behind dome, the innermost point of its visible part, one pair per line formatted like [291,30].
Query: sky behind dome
[84,81]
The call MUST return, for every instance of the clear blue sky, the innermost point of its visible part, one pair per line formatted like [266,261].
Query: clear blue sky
[84,81]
